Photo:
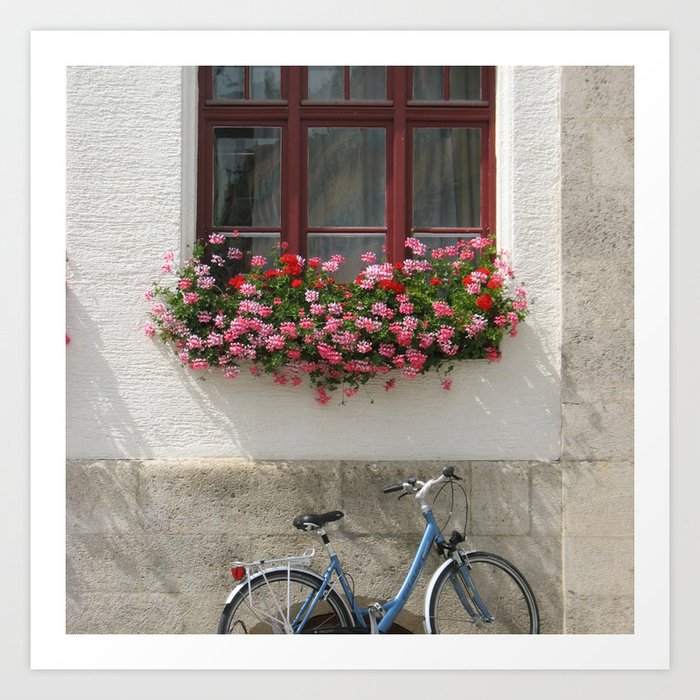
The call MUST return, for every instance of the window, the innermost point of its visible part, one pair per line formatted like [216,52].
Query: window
[345,159]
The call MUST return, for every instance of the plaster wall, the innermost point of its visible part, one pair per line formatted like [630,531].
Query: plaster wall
[130,196]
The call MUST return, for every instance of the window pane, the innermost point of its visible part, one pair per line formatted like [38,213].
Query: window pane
[446,177]
[427,83]
[326,82]
[347,176]
[367,82]
[247,177]
[351,246]
[239,252]
[229,82]
[265,83]
[465,82]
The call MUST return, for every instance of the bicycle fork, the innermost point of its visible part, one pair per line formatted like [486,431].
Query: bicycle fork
[467,593]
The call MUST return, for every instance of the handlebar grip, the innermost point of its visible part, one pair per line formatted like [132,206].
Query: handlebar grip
[392,488]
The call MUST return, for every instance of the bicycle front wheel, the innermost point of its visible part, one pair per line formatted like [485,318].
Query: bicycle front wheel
[503,590]
[276,603]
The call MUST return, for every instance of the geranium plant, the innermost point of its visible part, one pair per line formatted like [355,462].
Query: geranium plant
[290,318]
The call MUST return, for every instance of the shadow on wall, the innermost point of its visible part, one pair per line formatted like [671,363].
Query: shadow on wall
[506,410]
[96,412]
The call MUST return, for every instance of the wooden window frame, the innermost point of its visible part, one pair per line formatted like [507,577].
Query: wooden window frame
[294,114]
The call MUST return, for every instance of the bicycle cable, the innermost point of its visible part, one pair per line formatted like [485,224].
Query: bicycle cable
[452,484]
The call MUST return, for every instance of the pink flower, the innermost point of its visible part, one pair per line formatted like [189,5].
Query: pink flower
[184,284]
[441,309]
[148,295]
[234,254]
[217,238]
[169,256]
[311,295]
[322,396]
[258,261]
[190,298]
[447,384]
[204,317]
[370,258]
[275,342]
[199,364]
[388,386]
[231,372]
[416,246]
[493,355]
[148,329]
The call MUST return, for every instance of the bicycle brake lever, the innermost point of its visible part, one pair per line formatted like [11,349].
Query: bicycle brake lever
[402,495]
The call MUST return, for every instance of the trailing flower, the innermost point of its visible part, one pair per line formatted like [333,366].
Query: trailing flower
[289,317]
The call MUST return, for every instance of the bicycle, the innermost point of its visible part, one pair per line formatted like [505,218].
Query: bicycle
[470,592]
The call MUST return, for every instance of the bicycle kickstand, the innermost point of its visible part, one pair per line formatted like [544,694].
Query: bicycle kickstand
[376,612]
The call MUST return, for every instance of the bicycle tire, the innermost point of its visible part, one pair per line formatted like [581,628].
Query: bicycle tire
[253,609]
[503,589]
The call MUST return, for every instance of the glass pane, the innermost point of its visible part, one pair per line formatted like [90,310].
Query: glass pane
[367,82]
[446,177]
[351,246]
[247,176]
[326,82]
[427,83]
[465,82]
[347,176]
[229,82]
[239,252]
[265,83]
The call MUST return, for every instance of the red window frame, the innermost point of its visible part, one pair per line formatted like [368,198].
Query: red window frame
[294,114]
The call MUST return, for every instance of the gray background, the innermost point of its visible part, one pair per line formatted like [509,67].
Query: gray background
[675,15]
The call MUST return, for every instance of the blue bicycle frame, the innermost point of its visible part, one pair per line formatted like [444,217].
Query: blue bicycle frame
[391,607]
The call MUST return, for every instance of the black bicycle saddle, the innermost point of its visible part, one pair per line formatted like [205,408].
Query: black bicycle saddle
[312,521]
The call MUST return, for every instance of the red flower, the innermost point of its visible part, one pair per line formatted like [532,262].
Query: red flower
[494,284]
[291,264]
[237,281]
[484,302]
[484,271]
[467,281]
[272,273]
[297,283]
[392,286]
[313,263]
[435,281]
[398,265]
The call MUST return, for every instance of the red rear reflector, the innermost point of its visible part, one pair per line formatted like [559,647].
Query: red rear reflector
[238,572]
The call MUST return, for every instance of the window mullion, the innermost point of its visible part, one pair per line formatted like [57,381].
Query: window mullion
[397,184]
[292,157]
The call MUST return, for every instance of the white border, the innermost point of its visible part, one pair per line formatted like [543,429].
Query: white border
[51,53]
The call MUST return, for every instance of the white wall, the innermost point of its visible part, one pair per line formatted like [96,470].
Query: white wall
[130,165]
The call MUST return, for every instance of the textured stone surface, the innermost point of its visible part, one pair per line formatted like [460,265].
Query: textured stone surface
[175,526]
[597,386]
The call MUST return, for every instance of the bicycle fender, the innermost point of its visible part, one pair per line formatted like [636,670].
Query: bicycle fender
[429,592]
[254,577]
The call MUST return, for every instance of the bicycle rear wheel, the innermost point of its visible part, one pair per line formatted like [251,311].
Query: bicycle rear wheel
[270,604]
[503,589]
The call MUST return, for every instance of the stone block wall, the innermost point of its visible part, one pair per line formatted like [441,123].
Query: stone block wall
[149,542]
[597,204]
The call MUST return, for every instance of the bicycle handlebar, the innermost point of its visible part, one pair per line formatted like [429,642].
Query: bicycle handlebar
[412,485]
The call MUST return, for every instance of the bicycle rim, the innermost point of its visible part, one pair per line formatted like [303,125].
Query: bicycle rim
[502,588]
[276,605]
